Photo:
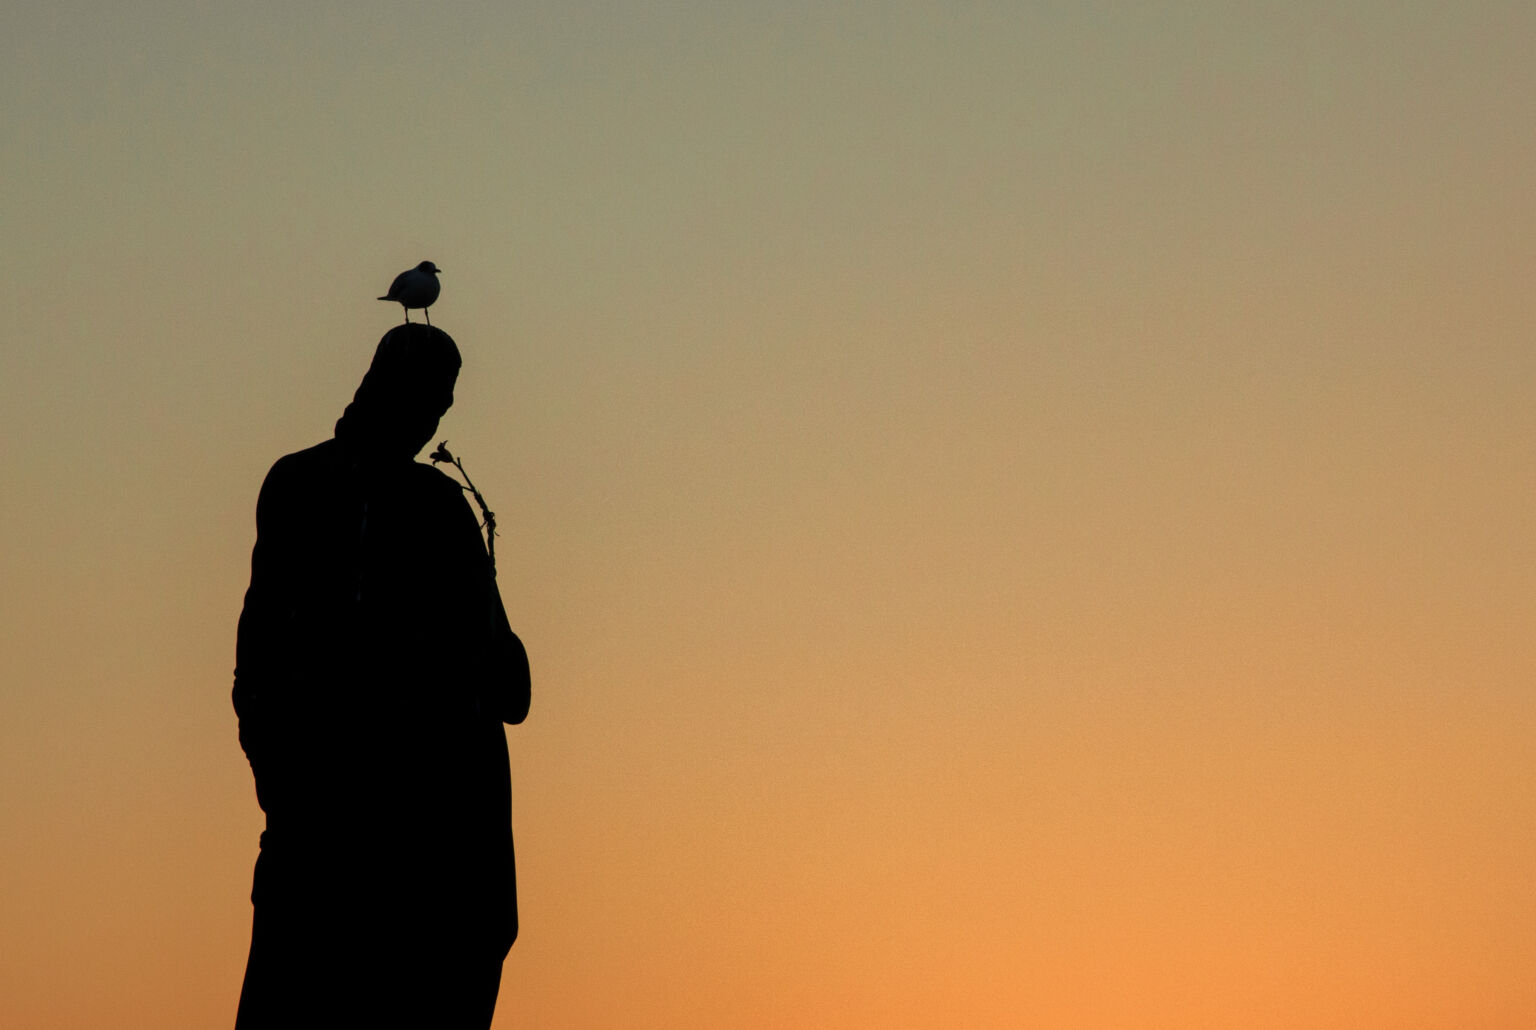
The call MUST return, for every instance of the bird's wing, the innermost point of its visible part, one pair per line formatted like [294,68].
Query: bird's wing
[396,286]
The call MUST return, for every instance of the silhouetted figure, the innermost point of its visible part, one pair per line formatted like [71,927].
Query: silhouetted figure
[374,670]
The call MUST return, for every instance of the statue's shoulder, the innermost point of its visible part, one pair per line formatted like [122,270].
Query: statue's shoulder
[300,467]
[435,481]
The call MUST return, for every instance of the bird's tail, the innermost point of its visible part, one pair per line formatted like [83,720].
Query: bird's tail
[384,298]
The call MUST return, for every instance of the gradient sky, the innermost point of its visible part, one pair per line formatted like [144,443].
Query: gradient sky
[1020,512]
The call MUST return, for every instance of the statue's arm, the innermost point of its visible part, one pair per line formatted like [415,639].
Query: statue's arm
[508,667]
[259,640]
[503,680]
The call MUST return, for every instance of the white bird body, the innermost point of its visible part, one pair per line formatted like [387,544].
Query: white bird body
[415,288]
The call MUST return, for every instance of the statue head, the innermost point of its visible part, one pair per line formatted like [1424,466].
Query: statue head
[405,392]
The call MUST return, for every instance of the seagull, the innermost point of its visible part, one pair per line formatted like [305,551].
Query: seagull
[415,288]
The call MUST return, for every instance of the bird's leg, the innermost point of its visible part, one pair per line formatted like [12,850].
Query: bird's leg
[407,314]
[426,315]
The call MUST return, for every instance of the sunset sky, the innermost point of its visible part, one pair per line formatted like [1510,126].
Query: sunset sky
[1021,513]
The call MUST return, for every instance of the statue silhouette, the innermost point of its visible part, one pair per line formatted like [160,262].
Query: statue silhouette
[374,670]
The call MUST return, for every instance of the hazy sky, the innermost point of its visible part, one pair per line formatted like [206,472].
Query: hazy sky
[1020,512]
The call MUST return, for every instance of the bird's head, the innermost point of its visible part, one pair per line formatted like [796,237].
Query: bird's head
[429,267]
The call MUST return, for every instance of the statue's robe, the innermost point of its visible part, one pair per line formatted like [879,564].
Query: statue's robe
[374,671]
